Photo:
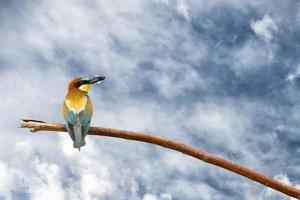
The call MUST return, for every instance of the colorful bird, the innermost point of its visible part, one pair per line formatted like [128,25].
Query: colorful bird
[78,109]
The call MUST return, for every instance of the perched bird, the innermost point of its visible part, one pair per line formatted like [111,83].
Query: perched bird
[78,109]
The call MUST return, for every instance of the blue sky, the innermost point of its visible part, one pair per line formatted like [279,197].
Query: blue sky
[222,75]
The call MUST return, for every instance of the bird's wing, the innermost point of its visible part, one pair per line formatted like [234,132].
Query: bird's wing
[69,115]
[85,115]
[70,130]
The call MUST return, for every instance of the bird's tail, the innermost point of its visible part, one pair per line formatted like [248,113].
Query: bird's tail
[78,136]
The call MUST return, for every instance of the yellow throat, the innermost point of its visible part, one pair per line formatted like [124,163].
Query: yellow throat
[85,87]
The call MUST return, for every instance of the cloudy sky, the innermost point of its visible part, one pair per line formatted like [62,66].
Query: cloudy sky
[222,75]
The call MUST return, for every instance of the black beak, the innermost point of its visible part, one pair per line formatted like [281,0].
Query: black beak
[97,79]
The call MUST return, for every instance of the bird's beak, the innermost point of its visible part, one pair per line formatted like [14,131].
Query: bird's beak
[97,79]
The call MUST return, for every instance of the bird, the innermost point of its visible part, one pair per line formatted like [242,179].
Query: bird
[77,109]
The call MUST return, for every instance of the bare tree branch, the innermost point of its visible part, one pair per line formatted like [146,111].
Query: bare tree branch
[37,125]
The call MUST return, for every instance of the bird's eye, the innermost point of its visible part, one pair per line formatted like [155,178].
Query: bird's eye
[78,84]
[82,82]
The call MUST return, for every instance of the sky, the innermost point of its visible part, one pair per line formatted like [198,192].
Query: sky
[221,75]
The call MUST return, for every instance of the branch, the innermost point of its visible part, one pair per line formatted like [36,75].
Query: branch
[36,125]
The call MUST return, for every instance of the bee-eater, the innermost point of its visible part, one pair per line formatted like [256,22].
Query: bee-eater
[78,109]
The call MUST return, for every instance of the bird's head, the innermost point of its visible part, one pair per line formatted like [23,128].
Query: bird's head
[84,84]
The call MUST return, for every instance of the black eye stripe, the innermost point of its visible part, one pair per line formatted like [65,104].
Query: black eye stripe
[82,82]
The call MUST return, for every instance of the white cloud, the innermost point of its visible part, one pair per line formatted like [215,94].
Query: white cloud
[183,9]
[149,197]
[183,189]
[251,56]
[218,119]
[285,179]
[155,197]
[7,183]
[174,78]
[46,185]
[271,194]
[95,180]
[292,76]
[28,174]
[264,27]
[166,196]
